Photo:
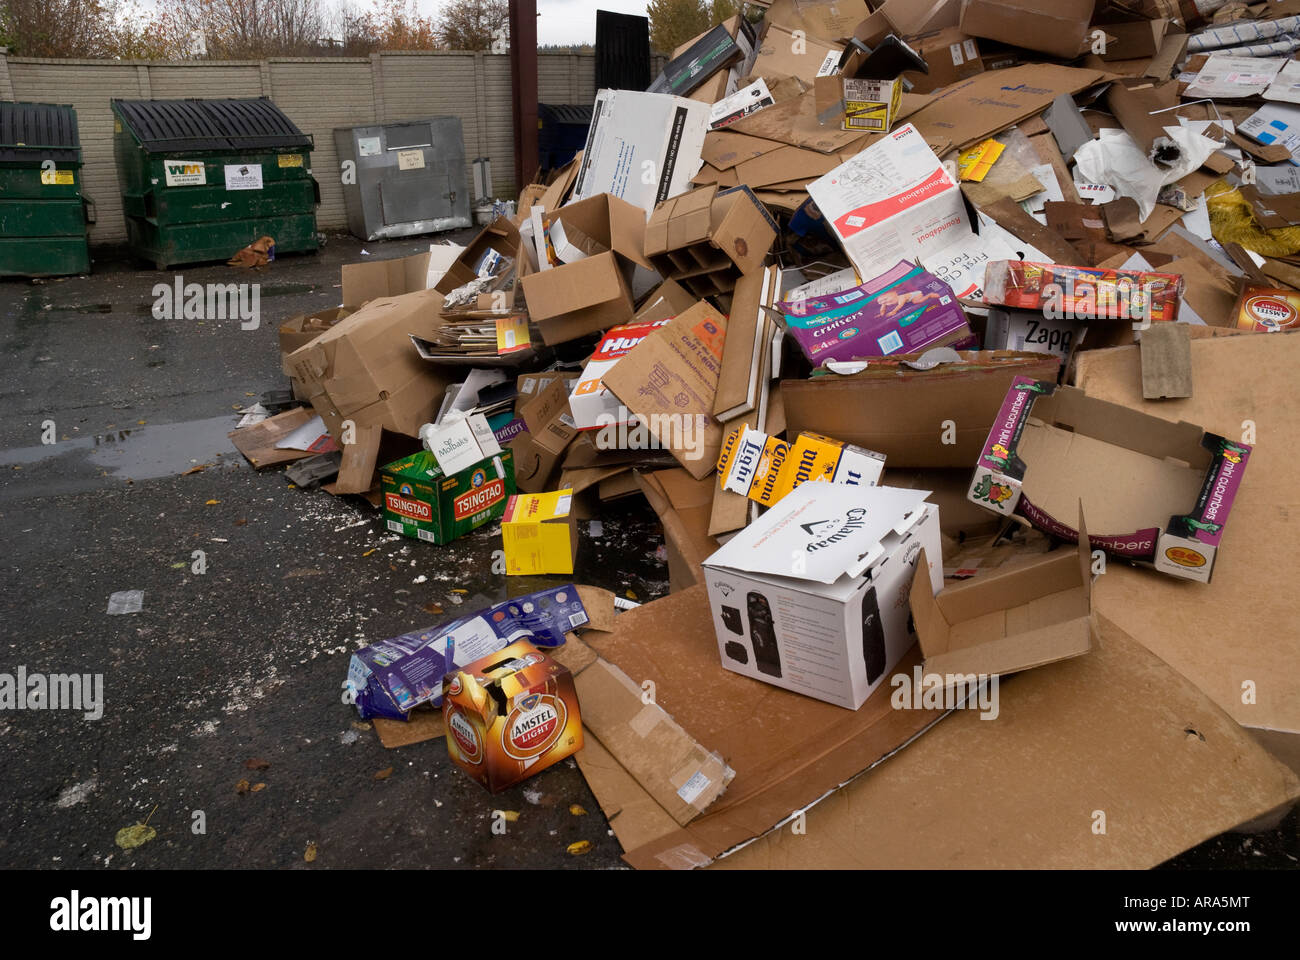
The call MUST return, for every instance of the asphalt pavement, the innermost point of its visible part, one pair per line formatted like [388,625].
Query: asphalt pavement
[223,725]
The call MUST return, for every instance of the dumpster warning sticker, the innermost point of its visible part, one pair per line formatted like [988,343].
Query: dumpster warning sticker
[62,178]
[243,176]
[185,173]
[289,159]
[410,159]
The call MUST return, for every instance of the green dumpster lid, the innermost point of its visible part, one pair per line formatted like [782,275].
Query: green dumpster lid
[168,126]
[42,131]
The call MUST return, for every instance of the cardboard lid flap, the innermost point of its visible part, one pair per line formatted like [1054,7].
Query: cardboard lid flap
[820,532]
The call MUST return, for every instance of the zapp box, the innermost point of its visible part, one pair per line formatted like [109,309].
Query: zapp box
[510,715]
[420,502]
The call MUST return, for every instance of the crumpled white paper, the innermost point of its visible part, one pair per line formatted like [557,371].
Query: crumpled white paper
[1115,158]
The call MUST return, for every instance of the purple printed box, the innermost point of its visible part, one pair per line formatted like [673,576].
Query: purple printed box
[1151,491]
[903,311]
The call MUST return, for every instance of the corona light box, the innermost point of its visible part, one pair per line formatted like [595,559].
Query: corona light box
[510,715]
[421,502]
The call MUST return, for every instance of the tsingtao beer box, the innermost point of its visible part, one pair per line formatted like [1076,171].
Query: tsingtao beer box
[813,596]
[510,715]
[421,502]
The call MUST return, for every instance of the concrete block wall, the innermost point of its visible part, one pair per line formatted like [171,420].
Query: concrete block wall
[318,94]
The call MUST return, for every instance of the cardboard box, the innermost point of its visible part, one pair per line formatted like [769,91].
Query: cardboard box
[510,715]
[1058,28]
[670,380]
[978,107]
[592,293]
[634,132]
[300,330]
[911,18]
[423,502]
[831,20]
[550,431]
[364,370]
[812,595]
[707,239]
[903,310]
[457,444]
[1155,493]
[1031,330]
[683,505]
[893,201]
[501,236]
[1266,309]
[539,533]
[1242,382]
[765,469]
[916,418]
[1008,620]
[951,56]
[780,55]
[591,403]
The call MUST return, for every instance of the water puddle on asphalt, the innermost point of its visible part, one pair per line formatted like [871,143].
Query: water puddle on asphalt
[142,452]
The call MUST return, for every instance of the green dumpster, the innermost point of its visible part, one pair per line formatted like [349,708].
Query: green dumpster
[201,179]
[42,210]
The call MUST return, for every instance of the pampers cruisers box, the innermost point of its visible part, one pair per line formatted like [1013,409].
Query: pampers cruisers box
[1154,492]
[510,715]
[813,596]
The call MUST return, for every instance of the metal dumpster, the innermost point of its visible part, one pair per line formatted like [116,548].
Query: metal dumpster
[402,179]
[561,132]
[202,179]
[43,212]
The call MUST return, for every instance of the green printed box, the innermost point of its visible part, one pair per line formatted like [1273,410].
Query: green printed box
[420,502]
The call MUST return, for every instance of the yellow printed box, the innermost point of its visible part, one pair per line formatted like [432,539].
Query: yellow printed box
[539,533]
[510,715]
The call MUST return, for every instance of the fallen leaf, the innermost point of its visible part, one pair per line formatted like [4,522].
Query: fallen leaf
[458,590]
[369,552]
[141,422]
[200,467]
[578,848]
[259,787]
[136,835]
[179,566]
[257,763]
[431,608]
[384,774]
[509,816]
[241,521]
[241,786]
[577,810]
[360,725]
[631,594]
[211,503]
[310,855]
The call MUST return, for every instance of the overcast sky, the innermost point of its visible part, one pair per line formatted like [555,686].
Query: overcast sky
[566,21]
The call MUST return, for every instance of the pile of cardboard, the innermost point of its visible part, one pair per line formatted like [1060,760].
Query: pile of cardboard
[952,343]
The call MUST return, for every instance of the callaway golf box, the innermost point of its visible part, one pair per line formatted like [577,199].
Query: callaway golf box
[813,596]
[421,502]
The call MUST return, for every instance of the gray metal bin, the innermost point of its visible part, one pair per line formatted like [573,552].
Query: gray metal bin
[406,178]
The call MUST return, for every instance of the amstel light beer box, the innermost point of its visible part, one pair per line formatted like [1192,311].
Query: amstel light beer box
[420,502]
[510,715]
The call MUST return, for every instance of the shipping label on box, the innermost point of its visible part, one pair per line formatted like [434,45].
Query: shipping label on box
[1052,448]
[422,501]
[510,715]
[893,201]
[539,533]
[871,105]
[813,596]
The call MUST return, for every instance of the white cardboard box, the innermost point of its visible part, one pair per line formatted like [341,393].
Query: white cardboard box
[642,147]
[893,201]
[813,596]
